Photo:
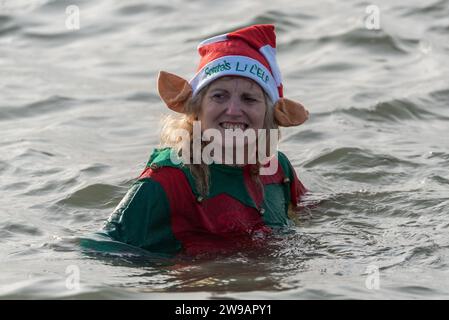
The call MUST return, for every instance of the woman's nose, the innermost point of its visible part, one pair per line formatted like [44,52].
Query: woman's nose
[234,106]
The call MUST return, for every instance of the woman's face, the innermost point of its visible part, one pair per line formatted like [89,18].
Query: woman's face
[233,103]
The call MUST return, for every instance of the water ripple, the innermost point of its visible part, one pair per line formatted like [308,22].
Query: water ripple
[22,229]
[349,157]
[38,108]
[94,196]
[394,111]
[144,8]
[373,154]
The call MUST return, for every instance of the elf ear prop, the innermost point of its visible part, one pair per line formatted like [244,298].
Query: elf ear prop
[174,91]
[289,113]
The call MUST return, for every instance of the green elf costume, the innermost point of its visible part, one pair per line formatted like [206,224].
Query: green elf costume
[164,213]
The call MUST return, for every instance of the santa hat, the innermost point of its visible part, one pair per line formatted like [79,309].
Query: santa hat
[249,52]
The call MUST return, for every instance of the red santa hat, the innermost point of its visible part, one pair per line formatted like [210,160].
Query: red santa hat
[249,52]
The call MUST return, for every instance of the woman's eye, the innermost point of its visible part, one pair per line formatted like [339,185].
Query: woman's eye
[218,96]
[249,99]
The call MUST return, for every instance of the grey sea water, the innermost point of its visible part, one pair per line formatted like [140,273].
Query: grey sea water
[79,116]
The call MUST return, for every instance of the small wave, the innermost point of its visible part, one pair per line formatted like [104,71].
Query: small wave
[46,287]
[365,176]
[95,169]
[4,19]
[443,29]
[282,20]
[416,291]
[440,95]
[22,229]
[144,8]
[307,135]
[324,68]
[437,9]
[50,38]
[378,41]
[7,26]
[422,254]
[38,108]
[94,196]
[16,186]
[4,166]
[355,158]
[294,247]
[439,179]
[441,157]
[393,111]
[141,96]
[36,153]
[384,201]
[53,39]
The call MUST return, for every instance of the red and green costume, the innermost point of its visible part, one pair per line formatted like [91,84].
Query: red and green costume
[163,213]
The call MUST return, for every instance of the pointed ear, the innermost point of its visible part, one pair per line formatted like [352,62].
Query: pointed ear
[289,113]
[173,90]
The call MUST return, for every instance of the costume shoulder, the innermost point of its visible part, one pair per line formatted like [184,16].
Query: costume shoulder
[142,218]
[167,158]
[164,157]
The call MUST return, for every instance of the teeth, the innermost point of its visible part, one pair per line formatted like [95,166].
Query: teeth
[233,126]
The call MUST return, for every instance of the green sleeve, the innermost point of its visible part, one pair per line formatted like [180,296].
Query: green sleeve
[276,206]
[277,197]
[142,219]
[286,165]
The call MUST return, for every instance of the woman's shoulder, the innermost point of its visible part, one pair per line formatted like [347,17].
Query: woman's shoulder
[167,169]
[164,157]
[163,161]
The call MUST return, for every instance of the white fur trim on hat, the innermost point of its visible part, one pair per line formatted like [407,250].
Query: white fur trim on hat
[221,37]
[236,66]
[270,54]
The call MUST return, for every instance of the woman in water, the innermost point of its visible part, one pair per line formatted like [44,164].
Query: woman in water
[206,191]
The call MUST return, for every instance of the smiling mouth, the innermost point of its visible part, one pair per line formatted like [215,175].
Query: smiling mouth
[233,125]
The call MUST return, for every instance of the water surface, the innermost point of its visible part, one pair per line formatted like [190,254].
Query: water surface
[79,116]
